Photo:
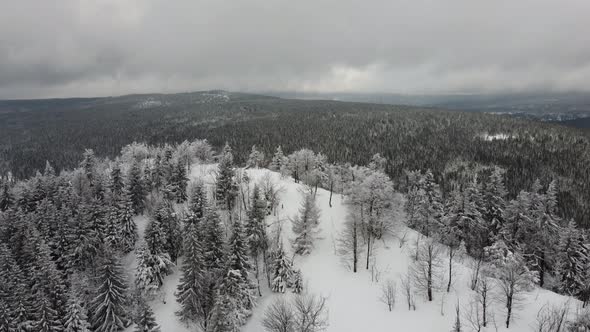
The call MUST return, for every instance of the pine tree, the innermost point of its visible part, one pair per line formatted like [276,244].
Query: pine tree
[281,271]
[305,225]
[151,269]
[146,322]
[279,161]
[108,306]
[170,225]
[226,187]
[75,319]
[192,284]
[136,188]
[197,201]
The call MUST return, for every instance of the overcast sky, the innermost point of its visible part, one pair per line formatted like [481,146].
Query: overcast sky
[112,47]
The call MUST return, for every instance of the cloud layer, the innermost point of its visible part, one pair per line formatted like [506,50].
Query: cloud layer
[112,47]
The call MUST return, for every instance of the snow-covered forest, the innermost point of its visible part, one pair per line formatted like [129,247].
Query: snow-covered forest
[182,238]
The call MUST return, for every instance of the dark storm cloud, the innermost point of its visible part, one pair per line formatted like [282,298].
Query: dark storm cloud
[63,48]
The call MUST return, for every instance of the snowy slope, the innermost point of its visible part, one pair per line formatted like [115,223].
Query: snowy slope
[353,299]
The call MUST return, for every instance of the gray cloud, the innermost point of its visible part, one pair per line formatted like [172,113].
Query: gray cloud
[111,47]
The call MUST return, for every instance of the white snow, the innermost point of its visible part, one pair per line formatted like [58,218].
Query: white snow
[353,298]
[500,136]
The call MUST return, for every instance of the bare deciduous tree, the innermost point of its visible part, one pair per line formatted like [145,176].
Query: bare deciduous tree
[406,283]
[311,313]
[279,317]
[388,293]
[552,318]
[428,268]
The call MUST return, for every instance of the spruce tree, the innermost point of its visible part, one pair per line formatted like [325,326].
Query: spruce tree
[238,262]
[495,201]
[279,161]
[305,225]
[281,271]
[213,240]
[127,225]
[75,319]
[226,187]
[255,159]
[136,187]
[146,322]
[192,285]
[573,255]
[6,198]
[48,320]
[116,183]
[108,305]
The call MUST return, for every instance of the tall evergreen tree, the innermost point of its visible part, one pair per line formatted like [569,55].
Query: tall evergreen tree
[116,182]
[305,225]
[573,255]
[108,306]
[226,187]
[48,320]
[192,283]
[281,271]
[213,240]
[75,319]
[279,161]
[146,322]
[136,187]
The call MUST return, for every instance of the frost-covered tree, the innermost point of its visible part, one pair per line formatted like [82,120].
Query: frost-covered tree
[495,201]
[305,225]
[192,285]
[279,161]
[108,305]
[127,224]
[226,188]
[76,319]
[237,259]
[429,206]
[135,186]
[256,158]
[427,270]
[349,240]
[573,256]
[48,318]
[281,271]
[146,321]
[213,240]
[151,270]
[116,182]
[255,231]
[513,276]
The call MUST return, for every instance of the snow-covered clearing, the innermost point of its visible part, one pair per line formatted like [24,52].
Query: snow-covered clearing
[353,299]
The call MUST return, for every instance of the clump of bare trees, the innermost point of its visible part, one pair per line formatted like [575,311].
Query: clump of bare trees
[388,293]
[427,270]
[304,313]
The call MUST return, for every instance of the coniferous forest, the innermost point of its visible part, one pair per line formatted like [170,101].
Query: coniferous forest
[510,194]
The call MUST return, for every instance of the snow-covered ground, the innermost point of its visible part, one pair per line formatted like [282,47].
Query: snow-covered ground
[501,137]
[353,299]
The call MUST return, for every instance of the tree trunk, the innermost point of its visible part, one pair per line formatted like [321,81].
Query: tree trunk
[331,191]
[354,247]
[450,269]
[429,277]
[509,307]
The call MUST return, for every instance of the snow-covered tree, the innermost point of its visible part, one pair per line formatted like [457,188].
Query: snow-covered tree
[76,319]
[237,259]
[427,269]
[136,188]
[305,225]
[226,187]
[513,276]
[151,270]
[192,284]
[429,207]
[256,158]
[213,240]
[573,256]
[279,161]
[48,318]
[146,321]
[281,271]
[108,305]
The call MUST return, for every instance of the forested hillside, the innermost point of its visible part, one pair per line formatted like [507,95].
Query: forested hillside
[93,249]
[33,132]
